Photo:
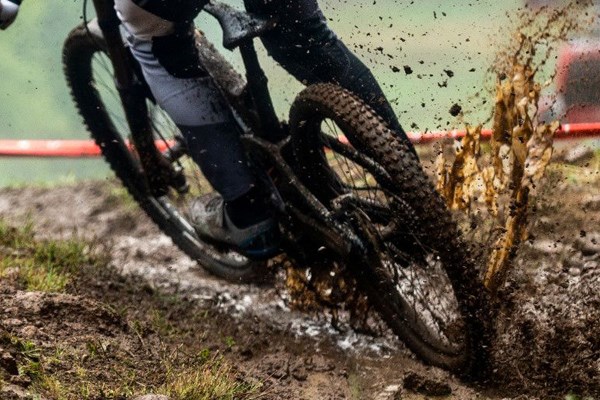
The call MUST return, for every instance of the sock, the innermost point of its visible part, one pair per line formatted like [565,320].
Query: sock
[250,208]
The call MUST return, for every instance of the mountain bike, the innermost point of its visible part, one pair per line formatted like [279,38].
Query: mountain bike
[348,188]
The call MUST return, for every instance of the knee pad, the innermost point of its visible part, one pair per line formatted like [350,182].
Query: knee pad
[172,36]
[178,53]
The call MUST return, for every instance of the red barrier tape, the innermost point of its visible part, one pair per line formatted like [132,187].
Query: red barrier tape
[55,148]
[87,148]
[566,131]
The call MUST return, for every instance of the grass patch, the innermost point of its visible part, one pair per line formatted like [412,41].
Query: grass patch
[356,391]
[160,323]
[108,372]
[40,265]
[203,377]
[586,174]
[207,379]
[576,397]
[66,180]
[27,355]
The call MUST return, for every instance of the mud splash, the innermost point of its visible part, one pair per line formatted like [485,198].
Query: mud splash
[506,194]
[497,187]
[502,180]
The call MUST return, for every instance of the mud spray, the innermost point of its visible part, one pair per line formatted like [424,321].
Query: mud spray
[503,180]
[544,343]
[496,188]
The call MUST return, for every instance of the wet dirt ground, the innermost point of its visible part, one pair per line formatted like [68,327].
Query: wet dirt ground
[548,330]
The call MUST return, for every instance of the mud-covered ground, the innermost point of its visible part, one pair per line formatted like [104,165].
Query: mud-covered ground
[150,311]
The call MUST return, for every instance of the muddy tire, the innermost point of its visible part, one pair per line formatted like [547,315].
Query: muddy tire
[84,53]
[420,234]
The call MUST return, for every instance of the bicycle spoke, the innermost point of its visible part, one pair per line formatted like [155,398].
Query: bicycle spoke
[422,283]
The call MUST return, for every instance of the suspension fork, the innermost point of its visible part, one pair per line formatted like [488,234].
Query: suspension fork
[159,172]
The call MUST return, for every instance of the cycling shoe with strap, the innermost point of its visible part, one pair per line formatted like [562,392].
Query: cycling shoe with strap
[209,217]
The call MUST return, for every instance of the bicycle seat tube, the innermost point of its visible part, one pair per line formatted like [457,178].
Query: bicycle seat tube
[239,29]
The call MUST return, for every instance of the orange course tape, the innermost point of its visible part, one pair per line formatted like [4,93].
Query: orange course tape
[87,148]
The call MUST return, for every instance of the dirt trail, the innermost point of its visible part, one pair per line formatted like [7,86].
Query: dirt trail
[547,335]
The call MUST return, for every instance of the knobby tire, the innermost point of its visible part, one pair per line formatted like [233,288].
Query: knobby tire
[430,220]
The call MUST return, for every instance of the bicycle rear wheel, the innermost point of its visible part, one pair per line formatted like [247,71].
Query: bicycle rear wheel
[424,284]
[89,74]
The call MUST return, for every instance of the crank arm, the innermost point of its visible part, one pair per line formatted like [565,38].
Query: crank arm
[315,228]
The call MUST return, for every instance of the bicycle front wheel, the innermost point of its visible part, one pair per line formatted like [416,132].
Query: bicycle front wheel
[424,285]
[89,74]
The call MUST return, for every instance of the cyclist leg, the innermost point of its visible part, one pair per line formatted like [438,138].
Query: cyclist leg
[309,50]
[166,50]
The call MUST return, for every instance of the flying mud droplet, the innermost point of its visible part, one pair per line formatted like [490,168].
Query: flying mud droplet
[455,110]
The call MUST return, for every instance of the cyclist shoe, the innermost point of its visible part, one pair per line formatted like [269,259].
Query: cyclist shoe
[212,223]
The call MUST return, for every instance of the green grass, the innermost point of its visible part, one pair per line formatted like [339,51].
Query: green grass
[28,357]
[204,377]
[587,174]
[160,323]
[208,379]
[356,390]
[40,265]
[119,195]
[27,172]
[576,397]
[69,374]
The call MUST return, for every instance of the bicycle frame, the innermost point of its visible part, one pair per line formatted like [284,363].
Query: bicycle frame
[343,222]
[264,134]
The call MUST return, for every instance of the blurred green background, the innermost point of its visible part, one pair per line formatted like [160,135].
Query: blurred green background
[431,37]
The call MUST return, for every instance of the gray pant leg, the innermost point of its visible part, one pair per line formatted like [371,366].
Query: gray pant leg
[194,104]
